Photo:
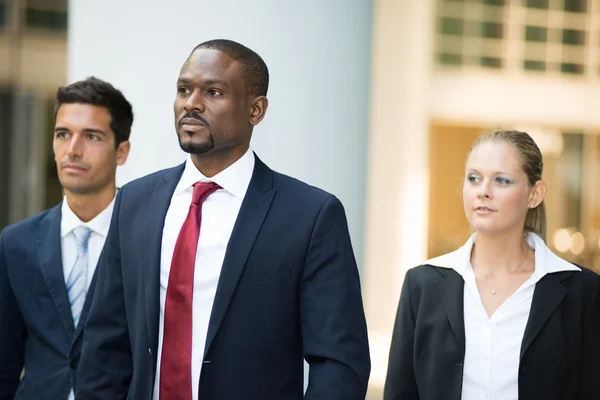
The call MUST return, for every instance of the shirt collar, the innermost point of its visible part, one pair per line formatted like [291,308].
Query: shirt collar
[99,224]
[235,179]
[546,262]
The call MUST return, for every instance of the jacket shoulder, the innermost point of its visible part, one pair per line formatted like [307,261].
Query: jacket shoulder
[427,274]
[27,225]
[288,185]
[148,182]
[586,281]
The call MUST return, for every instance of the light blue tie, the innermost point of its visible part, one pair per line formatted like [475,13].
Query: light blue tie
[76,282]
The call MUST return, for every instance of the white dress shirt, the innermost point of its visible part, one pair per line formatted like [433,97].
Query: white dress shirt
[99,229]
[99,226]
[219,213]
[493,345]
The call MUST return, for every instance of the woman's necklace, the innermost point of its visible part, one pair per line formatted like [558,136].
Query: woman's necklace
[495,290]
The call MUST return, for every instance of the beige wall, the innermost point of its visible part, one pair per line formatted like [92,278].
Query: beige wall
[37,62]
[448,227]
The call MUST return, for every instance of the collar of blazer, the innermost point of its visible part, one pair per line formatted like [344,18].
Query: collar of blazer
[548,293]
[546,262]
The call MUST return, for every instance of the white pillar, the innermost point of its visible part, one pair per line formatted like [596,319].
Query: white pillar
[398,169]
[318,54]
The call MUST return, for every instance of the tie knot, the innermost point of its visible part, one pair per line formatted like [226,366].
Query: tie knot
[82,237]
[202,190]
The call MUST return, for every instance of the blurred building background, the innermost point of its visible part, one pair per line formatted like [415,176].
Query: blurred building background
[33,62]
[376,101]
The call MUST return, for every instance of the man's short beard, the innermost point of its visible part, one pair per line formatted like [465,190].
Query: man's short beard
[201,148]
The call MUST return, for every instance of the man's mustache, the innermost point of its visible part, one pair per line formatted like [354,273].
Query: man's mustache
[196,116]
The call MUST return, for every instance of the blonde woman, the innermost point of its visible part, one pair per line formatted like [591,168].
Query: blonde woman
[501,317]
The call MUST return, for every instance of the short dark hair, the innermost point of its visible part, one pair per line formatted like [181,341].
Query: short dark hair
[254,69]
[97,92]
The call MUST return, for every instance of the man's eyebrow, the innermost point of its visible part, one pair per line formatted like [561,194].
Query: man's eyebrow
[86,130]
[215,82]
[212,81]
[94,130]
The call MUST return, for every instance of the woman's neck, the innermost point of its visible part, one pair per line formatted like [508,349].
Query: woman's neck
[499,254]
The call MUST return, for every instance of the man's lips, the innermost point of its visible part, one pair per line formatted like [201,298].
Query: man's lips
[191,124]
[74,167]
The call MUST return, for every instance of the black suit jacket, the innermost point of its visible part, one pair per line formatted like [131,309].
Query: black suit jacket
[560,351]
[36,324]
[289,290]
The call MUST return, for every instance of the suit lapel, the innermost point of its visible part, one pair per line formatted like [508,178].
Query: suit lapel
[451,293]
[547,296]
[86,305]
[252,214]
[151,250]
[49,243]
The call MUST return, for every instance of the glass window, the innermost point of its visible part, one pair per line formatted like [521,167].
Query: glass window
[491,62]
[572,178]
[573,37]
[579,6]
[536,33]
[44,19]
[571,68]
[450,59]
[543,4]
[554,35]
[534,65]
[492,30]
[3,16]
[451,26]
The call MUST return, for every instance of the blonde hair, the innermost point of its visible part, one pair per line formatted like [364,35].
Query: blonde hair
[532,164]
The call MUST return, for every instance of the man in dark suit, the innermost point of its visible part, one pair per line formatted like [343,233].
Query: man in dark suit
[220,276]
[48,262]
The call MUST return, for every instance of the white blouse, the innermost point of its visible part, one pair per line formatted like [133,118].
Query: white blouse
[493,345]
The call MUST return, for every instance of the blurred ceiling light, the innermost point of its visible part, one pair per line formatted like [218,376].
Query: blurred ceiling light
[577,243]
[549,140]
[562,240]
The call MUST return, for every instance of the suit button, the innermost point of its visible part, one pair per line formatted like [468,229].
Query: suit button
[73,363]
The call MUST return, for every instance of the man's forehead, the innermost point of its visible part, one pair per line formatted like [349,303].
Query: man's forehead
[210,59]
[208,65]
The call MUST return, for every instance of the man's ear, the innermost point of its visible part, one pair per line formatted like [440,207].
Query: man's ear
[123,152]
[258,109]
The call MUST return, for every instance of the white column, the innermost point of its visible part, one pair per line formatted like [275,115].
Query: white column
[318,54]
[398,175]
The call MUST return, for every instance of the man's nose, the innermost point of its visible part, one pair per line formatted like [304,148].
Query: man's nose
[75,149]
[194,103]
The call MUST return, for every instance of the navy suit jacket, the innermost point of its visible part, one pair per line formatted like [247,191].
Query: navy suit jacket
[289,290]
[36,325]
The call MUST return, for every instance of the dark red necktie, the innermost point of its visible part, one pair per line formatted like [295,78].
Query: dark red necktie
[176,359]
